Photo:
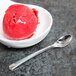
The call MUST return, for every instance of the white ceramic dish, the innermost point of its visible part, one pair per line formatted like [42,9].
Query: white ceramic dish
[42,30]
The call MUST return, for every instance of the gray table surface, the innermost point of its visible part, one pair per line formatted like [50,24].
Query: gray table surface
[53,62]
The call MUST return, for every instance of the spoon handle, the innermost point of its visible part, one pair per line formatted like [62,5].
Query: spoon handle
[16,64]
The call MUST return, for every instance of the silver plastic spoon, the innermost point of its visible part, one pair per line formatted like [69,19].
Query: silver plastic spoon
[61,42]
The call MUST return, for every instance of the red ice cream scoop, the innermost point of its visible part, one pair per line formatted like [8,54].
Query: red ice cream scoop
[19,22]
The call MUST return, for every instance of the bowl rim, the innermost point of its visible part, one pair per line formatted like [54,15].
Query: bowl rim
[26,40]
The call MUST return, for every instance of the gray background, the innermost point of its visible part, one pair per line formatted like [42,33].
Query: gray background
[53,62]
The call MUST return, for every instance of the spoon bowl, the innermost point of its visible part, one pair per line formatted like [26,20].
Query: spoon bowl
[42,30]
[63,41]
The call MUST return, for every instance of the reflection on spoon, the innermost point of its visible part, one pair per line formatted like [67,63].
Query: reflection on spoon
[61,42]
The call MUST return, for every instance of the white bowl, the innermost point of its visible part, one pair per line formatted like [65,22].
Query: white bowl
[42,30]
